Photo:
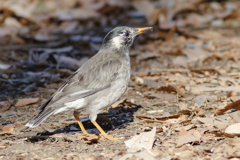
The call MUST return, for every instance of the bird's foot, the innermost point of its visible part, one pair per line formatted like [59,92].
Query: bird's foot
[87,135]
[112,138]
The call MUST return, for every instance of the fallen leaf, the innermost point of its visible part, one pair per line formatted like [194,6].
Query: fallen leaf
[233,105]
[23,102]
[201,89]
[214,121]
[143,140]
[233,130]
[4,105]
[234,98]
[8,128]
[90,139]
[155,111]
[188,137]
[162,96]
[151,119]
[149,83]
[171,88]
[203,70]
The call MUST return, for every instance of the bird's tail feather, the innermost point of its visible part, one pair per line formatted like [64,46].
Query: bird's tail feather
[40,117]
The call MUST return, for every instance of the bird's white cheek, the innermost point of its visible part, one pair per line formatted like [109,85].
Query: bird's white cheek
[117,42]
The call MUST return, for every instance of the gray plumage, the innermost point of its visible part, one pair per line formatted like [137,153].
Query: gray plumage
[98,83]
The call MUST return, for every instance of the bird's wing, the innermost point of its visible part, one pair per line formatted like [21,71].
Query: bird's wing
[85,82]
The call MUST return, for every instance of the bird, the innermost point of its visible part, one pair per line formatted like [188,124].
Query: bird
[98,83]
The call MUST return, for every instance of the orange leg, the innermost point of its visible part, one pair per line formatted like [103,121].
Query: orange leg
[76,116]
[104,133]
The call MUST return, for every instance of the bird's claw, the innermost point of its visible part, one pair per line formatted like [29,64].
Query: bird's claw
[112,138]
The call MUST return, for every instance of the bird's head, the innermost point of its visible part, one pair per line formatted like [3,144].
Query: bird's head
[122,37]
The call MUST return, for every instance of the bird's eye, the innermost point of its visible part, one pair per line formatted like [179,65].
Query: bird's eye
[127,34]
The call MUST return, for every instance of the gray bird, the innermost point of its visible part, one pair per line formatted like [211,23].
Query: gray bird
[98,83]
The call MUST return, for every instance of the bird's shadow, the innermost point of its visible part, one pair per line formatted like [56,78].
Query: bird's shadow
[119,117]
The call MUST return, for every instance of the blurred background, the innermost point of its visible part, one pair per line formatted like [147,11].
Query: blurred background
[42,35]
[184,73]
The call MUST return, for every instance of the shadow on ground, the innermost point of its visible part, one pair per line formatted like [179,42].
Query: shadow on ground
[115,118]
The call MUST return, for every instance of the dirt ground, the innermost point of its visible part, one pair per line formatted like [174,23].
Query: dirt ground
[182,101]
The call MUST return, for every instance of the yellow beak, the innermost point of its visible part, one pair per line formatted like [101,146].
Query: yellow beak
[144,29]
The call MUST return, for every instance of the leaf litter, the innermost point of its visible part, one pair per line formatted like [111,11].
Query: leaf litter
[183,89]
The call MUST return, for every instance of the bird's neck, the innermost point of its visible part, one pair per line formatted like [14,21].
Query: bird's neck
[121,53]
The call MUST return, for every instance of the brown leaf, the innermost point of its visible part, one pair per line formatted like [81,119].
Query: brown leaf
[4,105]
[162,96]
[7,128]
[151,119]
[170,88]
[233,105]
[23,102]
[220,123]
[203,70]
[200,89]
[90,139]
[188,137]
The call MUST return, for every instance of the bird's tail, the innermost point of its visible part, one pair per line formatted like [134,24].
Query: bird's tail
[45,113]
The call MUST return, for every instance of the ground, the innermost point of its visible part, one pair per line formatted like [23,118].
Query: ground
[182,101]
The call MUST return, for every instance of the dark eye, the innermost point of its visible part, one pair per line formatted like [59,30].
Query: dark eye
[127,34]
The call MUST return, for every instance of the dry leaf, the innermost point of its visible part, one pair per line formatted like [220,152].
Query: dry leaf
[188,137]
[4,105]
[233,130]
[214,121]
[234,98]
[203,70]
[143,140]
[170,88]
[233,105]
[162,96]
[8,128]
[160,111]
[90,139]
[148,119]
[23,102]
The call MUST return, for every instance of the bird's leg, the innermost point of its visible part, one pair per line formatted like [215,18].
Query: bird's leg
[76,116]
[104,133]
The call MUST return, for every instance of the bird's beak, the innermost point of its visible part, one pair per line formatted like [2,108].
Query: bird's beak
[144,29]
